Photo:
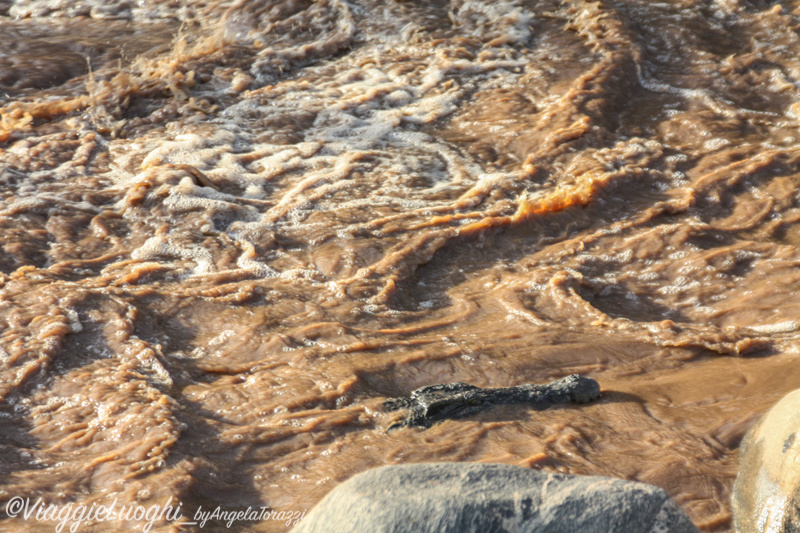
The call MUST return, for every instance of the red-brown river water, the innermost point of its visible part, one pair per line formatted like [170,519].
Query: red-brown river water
[231,230]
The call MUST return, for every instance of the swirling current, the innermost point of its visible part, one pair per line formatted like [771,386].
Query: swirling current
[231,230]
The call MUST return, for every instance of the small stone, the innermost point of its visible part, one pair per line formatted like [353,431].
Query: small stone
[480,497]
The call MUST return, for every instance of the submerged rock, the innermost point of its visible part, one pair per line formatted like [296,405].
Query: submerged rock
[479,497]
[766,495]
[435,403]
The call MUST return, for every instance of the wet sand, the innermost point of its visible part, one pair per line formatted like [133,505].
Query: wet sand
[231,230]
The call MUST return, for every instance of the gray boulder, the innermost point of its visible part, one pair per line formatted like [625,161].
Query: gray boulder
[766,495]
[483,497]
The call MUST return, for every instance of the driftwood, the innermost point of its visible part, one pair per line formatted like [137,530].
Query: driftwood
[432,404]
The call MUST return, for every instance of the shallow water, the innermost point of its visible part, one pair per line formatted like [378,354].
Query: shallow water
[231,230]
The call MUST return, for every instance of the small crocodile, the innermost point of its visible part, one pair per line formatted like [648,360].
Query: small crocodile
[432,404]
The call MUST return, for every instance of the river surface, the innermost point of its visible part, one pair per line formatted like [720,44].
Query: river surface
[231,230]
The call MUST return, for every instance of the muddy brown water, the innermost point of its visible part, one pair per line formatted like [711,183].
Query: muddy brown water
[231,230]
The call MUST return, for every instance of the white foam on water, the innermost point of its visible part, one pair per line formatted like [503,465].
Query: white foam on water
[355,133]
[161,246]
[787,326]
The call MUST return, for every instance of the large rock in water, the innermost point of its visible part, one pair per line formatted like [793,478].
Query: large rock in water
[482,497]
[766,495]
